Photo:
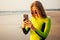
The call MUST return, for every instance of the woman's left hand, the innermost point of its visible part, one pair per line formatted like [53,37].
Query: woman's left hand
[29,24]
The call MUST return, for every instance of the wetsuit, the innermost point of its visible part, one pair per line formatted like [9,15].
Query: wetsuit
[42,28]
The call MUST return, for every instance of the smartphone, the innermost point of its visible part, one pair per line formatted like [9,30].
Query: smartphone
[25,17]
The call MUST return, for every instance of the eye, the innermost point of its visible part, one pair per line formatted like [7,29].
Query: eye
[32,12]
[35,12]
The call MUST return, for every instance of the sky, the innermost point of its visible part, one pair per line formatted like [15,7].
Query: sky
[22,5]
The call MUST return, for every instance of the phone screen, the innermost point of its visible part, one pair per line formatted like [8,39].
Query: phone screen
[25,17]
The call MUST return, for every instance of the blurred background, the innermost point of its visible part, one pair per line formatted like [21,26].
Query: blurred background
[11,15]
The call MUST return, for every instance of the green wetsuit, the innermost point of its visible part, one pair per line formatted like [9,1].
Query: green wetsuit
[42,28]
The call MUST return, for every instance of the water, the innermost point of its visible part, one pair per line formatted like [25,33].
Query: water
[10,26]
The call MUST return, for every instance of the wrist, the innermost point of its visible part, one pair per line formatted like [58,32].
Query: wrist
[33,28]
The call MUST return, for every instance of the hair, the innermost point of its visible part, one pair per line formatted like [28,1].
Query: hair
[40,8]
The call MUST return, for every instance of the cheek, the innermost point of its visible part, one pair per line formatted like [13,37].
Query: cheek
[36,13]
[33,13]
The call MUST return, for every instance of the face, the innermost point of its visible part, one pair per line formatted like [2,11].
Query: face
[35,12]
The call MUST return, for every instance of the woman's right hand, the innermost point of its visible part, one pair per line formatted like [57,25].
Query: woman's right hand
[26,23]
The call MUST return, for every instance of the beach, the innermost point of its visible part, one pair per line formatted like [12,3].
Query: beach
[10,26]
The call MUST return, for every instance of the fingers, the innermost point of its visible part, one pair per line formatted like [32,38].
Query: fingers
[27,23]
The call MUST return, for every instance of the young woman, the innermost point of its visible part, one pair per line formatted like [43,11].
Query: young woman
[39,24]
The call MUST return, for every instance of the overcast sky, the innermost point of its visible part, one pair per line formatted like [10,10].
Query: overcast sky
[13,5]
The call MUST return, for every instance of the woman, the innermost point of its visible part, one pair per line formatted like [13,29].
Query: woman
[39,24]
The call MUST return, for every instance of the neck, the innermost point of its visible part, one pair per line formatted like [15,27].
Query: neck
[37,17]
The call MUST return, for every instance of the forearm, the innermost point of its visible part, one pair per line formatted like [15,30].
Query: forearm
[25,31]
[41,34]
[45,33]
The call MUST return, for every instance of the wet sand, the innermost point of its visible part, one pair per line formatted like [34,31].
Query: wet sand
[55,25]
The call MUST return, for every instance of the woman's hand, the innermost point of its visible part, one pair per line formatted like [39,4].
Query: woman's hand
[29,24]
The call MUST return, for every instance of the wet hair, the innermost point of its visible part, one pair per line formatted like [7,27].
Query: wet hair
[40,8]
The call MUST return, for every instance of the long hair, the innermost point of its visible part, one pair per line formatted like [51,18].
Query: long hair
[40,8]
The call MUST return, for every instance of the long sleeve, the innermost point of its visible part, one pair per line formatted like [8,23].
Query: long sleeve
[25,31]
[46,29]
